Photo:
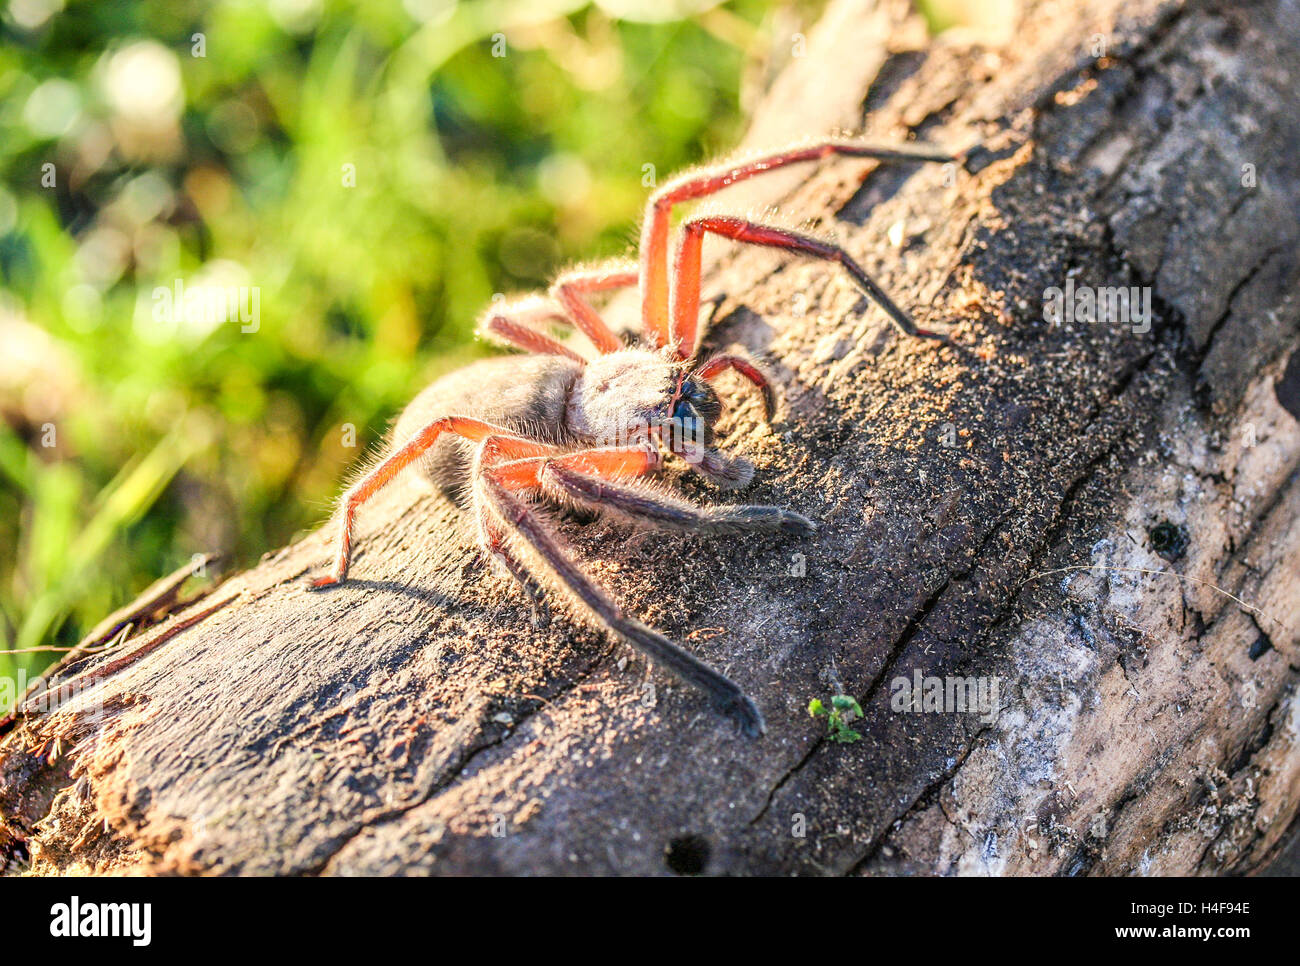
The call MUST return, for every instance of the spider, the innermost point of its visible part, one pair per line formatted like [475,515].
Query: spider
[505,433]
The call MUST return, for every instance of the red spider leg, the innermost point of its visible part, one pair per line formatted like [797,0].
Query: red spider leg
[687,283]
[501,454]
[518,462]
[515,324]
[520,519]
[464,426]
[571,289]
[610,462]
[514,474]
[698,184]
[562,479]
[719,364]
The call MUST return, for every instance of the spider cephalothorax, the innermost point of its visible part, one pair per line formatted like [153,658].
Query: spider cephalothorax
[652,398]
[583,432]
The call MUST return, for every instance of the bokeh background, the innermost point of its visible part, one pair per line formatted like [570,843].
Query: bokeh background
[376,169]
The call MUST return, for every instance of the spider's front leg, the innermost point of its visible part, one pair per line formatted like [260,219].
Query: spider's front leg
[566,478]
[498,486]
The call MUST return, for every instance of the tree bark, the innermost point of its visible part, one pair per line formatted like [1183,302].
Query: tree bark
[415,721]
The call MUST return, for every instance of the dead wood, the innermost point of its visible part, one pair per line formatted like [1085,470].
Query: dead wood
[415,721]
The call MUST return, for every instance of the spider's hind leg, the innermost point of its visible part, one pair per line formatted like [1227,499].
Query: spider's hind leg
[466,427]
[384,473]
[518,324]
[686,284]
[572,290]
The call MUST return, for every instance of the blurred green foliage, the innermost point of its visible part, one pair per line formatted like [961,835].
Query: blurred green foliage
[372,168]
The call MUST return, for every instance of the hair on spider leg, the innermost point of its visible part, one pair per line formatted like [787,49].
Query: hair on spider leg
[510,437]
[502,556]
[646,505]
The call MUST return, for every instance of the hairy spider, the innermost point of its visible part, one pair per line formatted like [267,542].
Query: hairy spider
[504,432]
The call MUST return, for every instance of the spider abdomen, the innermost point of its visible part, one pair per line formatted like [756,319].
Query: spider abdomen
[527,394]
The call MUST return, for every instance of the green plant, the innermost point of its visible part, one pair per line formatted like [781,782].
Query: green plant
[844,709]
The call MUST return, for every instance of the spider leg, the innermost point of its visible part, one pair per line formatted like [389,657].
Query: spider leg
[515,323]
[493,541]
[503,453]
[686,288]
[571,290]
[719,364]
[609,462]
[706,181]
[381,475]
[561,479]
[516,516]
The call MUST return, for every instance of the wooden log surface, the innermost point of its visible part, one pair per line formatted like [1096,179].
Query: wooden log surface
[990,509]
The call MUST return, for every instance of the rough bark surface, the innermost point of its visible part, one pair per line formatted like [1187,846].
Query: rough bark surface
[415,721]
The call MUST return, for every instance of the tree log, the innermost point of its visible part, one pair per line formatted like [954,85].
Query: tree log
[1097,516]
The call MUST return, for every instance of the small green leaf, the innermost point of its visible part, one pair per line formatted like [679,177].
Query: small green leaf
[846,702]
[815,707]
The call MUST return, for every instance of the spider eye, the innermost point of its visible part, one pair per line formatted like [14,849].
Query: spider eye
[693,392]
